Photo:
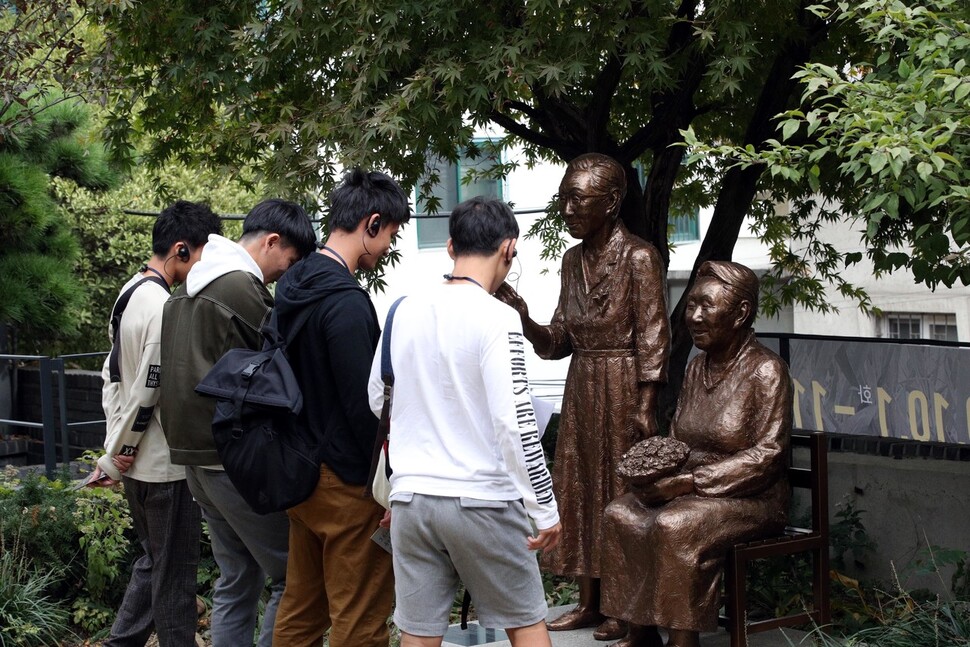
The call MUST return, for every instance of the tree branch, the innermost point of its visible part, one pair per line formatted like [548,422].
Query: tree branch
[533,137]
[604,89]
[643,139]
[523,107]
[566,118]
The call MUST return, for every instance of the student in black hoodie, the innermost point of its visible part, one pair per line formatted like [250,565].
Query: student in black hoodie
[336,577]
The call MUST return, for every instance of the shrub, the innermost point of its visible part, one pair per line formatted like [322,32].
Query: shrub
[932,560]
[39,515]
[85,536]
[849,536]
[905,622]
[29,614]
[37,248]
[115,244]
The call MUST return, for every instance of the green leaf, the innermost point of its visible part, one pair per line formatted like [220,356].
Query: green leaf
[891,205]
[789,128]
[877,161]
[875,202]
[962,91]
[904,69]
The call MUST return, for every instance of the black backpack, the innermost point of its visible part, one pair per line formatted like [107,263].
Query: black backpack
[263,442]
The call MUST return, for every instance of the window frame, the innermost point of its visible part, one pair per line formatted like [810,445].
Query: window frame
[928,324]
[424,220]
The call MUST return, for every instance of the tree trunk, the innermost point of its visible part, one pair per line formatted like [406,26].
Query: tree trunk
[660,186]
[632,211]
[738,190]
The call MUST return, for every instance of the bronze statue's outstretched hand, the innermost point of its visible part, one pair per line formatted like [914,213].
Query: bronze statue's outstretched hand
[507,295]
[664,490]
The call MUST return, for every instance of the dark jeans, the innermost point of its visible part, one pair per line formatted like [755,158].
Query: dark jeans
[161,593]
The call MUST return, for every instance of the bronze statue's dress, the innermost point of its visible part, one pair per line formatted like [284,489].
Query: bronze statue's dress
[664,563]
[613,320]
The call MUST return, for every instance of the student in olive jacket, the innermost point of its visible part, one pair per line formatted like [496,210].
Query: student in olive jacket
[222,305]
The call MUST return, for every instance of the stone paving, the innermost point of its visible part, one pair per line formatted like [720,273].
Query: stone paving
[476,635]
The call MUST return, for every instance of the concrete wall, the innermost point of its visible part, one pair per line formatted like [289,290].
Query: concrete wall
[908,503]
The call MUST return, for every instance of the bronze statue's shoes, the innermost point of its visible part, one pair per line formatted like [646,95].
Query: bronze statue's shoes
[610,629]
[578,618]
[641,637]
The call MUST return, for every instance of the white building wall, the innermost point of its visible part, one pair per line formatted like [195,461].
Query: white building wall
[896,293]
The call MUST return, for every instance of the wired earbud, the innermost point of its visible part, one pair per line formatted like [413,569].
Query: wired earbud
[510,253]
[374,227]
[513,276]
[182,252]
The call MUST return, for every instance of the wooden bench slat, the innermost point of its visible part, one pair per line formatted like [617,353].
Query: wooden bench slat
[791,540]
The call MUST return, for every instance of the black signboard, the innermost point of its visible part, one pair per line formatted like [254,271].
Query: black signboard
[879,388]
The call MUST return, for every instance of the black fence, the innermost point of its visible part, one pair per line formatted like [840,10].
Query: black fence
[54,423]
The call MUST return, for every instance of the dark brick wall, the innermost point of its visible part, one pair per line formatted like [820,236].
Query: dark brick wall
[83,392]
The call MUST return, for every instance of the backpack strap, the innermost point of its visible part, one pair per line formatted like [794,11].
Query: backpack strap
[387,374]
[271,329]
[114,357]
[387,370]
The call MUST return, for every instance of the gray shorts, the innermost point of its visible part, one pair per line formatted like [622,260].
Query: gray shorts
[438,540]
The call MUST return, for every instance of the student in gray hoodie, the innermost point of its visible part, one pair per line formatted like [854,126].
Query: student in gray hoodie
[223,304]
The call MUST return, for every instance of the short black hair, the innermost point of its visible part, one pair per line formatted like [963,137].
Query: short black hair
[189,222]
[288,219]
[479,225]
[362,193]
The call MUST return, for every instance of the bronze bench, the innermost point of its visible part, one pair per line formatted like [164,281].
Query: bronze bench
[793,540]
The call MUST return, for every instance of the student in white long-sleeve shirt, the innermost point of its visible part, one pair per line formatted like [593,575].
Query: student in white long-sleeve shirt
[161,592]
[468,470]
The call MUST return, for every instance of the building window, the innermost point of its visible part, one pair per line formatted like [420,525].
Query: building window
[907,325]
[685,228]
[456,183]
[681,227]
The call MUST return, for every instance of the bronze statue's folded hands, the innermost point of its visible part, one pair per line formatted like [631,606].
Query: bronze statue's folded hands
[664,490]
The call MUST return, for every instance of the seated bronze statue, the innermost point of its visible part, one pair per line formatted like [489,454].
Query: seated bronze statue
[667,539]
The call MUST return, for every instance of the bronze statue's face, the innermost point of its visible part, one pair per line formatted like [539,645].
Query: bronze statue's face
[584,206]
[712,314]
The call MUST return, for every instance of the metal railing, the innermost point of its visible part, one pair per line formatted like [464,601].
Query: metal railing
[48,367]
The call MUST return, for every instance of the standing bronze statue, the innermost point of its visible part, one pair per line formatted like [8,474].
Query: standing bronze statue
[612,319]
[667,540]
